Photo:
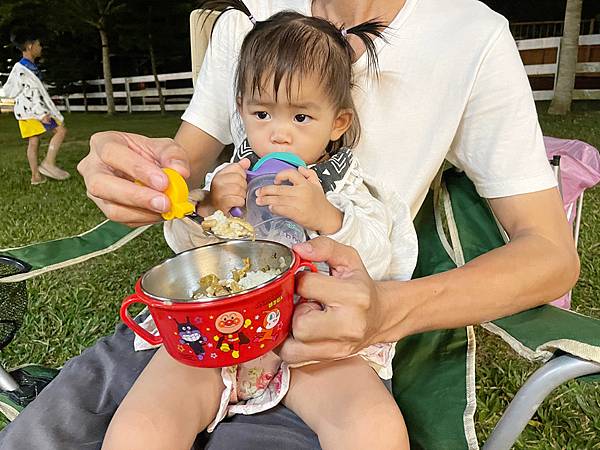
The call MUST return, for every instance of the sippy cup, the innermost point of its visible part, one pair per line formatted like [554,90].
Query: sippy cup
[267,225]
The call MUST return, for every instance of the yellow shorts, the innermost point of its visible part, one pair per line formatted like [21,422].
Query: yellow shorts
[33,127]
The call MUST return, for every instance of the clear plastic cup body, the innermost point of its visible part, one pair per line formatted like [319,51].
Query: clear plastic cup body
[267,225]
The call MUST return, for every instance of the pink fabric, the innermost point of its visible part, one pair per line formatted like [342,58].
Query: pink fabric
[579,170]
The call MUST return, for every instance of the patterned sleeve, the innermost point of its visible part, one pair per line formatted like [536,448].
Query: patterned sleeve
[12,87]
[386,246]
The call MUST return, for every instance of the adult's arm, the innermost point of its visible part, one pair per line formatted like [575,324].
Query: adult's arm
[202,150]
[538,264]
[117,158]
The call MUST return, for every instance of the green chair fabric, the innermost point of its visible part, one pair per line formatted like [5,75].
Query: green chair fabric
[535,334]
[434,372]
[56,254]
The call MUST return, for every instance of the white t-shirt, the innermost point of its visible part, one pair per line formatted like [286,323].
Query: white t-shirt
[451,86]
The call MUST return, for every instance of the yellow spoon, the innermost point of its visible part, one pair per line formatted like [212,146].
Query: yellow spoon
[178,192]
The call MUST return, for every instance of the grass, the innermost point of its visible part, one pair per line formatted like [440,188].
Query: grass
[71,308]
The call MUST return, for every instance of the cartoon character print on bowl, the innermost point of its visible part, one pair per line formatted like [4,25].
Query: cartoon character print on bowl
[231,336]
[191,336]
[219,332]
[270,328]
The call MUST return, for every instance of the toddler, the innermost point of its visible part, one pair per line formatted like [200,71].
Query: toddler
[34,109]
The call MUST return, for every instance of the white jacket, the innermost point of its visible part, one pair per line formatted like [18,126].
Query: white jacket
[31,98]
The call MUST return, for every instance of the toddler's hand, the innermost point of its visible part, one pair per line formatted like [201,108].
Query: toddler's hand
[304,202]
[228,187]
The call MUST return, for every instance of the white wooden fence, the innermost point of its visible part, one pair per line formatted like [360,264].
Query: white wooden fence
[139,93]
[536,30]
[551,68]
[132,94]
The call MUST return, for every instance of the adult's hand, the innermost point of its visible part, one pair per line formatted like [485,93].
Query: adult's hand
[116,160]
[342,315]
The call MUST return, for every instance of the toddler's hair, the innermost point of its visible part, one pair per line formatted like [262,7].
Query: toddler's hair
[290,46]
[19,38]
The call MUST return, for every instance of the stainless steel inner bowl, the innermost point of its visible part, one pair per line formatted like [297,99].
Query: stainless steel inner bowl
[177,278]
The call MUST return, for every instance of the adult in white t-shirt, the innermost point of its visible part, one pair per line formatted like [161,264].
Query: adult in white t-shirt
[445,90]
[452,86]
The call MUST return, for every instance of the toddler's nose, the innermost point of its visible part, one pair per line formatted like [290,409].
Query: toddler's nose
[281,136]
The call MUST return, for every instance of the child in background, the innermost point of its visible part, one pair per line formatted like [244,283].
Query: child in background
[35,110]
[293,87]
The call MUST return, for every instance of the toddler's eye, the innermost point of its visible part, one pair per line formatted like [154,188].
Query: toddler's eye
[262,115]
[302,118]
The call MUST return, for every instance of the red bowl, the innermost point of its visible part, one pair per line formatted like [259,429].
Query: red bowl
[219,331]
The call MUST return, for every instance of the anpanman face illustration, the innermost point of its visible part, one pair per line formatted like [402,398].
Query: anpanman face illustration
[229,322]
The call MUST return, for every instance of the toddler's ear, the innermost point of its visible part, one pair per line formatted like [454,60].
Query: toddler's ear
[341,124]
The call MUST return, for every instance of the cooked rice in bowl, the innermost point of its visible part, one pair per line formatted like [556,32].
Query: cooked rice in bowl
[238,280]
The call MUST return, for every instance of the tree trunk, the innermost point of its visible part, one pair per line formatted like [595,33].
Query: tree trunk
[85,102]
[567,62]
[161,99]
[108,86]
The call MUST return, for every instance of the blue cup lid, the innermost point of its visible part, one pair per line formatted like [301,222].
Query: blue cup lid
[289,158]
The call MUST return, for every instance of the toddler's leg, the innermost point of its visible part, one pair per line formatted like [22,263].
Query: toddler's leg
[58,137]
[33,146]
[48,166]
[347,405]
[166,408]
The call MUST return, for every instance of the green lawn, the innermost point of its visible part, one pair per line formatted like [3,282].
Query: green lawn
[71,308]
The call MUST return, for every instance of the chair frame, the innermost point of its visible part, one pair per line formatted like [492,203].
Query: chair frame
[531,395]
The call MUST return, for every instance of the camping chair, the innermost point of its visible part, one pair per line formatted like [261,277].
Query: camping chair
[436,370]
[21,385]
[440,363]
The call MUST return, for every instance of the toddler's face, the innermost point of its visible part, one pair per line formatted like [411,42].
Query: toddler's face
[302,124]
[35,48]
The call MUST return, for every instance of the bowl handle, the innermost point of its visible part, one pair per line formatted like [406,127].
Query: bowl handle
[306,265]
[126,318]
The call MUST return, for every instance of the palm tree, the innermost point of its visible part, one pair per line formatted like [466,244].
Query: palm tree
[567,62]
